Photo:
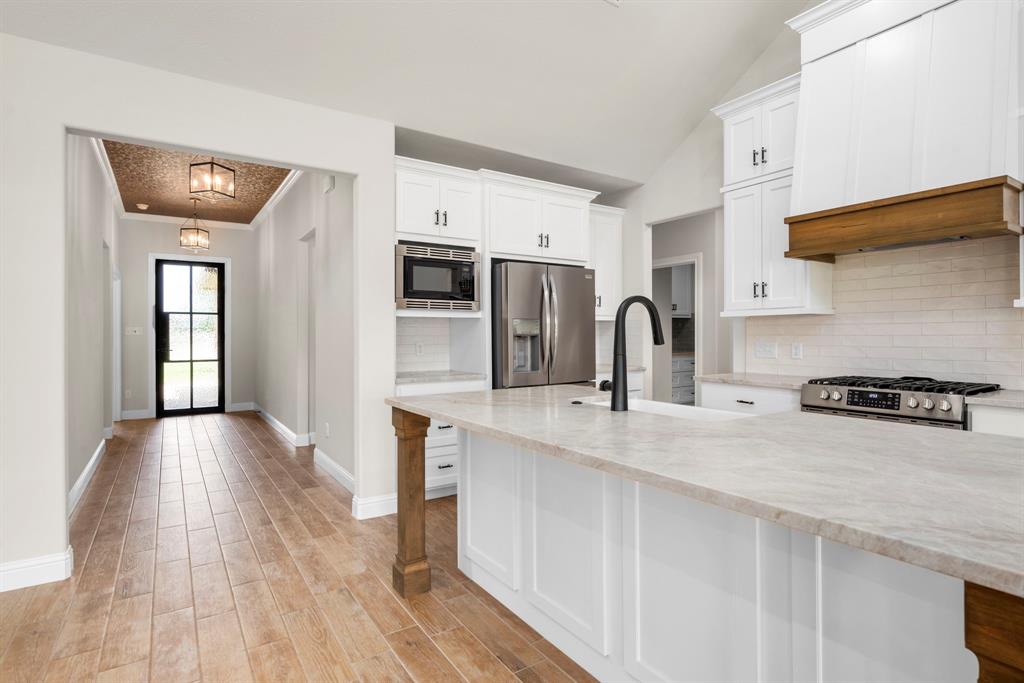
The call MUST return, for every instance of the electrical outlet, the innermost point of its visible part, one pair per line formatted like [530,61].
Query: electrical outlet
[796,350]
[766,349]
[327,428]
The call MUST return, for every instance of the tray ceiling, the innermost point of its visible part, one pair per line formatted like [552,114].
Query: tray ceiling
[159,177]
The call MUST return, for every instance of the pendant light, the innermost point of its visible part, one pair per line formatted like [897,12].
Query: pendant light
[190,235]
[210,180]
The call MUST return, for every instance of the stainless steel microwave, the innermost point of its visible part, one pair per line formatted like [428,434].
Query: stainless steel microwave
[436,277]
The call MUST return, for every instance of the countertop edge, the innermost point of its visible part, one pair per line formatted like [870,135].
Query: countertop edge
[1002,579]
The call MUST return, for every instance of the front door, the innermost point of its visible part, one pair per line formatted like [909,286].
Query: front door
[189,338]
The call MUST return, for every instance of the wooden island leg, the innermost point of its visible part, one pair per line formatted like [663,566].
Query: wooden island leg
[411,572]
[994,632]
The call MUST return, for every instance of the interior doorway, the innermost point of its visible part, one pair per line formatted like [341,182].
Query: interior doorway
[676,287]
[189,321]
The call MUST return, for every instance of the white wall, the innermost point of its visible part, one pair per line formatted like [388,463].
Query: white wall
[138,239]
[702,234]
[89,228]
[48,90]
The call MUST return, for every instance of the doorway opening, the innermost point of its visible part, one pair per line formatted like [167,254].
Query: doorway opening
[189,320]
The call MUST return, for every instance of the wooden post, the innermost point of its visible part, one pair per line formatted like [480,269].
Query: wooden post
[411,572]
[994,632]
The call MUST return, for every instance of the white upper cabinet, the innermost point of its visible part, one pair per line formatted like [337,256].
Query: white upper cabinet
[760,131]
[435,201]
[536,219]
[895,99]
[606,259]
[742,248]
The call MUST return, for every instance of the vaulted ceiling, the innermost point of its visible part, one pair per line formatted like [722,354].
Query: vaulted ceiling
[585,84]
[159,178]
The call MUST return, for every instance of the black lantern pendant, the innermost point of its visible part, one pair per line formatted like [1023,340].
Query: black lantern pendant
[190,235]
[211,180]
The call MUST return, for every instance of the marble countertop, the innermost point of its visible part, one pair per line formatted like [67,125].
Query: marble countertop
[946,500]
[1004,398]
[606,368]
[757,379]
[435,376]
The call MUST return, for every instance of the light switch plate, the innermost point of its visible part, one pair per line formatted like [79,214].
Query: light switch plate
[766,349]
[797,350]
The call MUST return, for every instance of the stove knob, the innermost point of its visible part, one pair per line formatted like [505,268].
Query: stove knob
[945,406]
[912,402]
[929,404]
[823,395]
[836,396]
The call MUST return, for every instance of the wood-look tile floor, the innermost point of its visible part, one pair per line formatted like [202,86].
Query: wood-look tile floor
[208,548]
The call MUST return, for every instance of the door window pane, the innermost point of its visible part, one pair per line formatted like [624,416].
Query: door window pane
[205,384]
[176,287]
[204,337]
[204,289]
[176,386]
[178,337]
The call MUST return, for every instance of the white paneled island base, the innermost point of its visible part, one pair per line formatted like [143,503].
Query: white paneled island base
[635,582]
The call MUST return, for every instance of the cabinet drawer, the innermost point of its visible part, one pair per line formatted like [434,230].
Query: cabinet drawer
[745,399]
[441,434]
[441,468]
[679,364]
[682,379]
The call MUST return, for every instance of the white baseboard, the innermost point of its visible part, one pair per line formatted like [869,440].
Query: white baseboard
[36,570]
[108,432]
[275,423]
[136,414]
[75,494]
[239,407]
[378,506]
[339,473]
[302,440]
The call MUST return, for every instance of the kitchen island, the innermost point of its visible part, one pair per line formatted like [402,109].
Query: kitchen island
[719,546]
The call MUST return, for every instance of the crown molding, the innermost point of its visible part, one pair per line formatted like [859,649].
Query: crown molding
[530,183]
[820,14]
[279,193]
[178,220]
[433,167]
[611,210]
[780,87]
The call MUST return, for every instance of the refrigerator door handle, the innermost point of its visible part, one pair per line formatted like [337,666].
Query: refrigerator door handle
[553,349]
[545,303]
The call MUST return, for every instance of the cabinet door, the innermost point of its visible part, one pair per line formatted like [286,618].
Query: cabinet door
[742,136]
[682,291]
[514,221]
[824,126]
[743,248]
[778,138]
[784,278]
[418,206]
[460,208]
[606,260]
[565,222]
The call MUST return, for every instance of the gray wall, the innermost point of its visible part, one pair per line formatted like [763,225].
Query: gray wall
[90,224]
[139,239]
[701,234]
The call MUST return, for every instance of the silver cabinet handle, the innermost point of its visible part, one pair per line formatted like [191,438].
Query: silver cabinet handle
[445,467]
[744,402]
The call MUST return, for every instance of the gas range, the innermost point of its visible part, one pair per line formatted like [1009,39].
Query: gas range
[916,400]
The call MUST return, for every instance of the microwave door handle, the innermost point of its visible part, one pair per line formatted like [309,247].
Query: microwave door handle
[553,350]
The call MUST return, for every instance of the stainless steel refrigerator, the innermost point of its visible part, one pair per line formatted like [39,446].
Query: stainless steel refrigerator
[542,324]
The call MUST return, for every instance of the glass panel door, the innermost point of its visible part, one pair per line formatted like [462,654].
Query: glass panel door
[189,337]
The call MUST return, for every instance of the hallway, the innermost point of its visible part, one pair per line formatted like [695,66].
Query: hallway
[208,548]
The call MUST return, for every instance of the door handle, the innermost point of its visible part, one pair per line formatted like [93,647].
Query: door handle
[437,217]
[445,222]
[547,241]
[755,290]
[764,287]
[755,156]
[763,151]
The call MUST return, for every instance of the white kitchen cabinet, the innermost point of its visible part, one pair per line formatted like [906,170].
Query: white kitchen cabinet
[895,101]
[747,399]
[536,219]
[759,279]
[606,259]
[760,131]
[682,291]
[436,201]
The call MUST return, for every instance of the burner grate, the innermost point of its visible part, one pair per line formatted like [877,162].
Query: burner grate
[925,384]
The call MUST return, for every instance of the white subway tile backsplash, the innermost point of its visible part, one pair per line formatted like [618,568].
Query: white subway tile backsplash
[944,310]
[422,344]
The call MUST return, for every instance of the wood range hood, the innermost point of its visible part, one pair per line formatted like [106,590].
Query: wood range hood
[981,208]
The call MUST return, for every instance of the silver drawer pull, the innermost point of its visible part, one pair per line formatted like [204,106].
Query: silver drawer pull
[744,402]
[445,427]
[444,467]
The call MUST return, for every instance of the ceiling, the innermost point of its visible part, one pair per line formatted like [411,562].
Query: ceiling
[584,84]
[159,178]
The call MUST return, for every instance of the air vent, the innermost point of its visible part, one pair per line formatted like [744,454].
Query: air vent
[436,305]
[439,253]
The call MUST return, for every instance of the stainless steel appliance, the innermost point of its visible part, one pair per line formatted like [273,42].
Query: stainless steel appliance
[542,323]
[436,277]
[917,400]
